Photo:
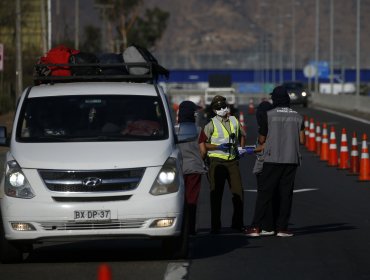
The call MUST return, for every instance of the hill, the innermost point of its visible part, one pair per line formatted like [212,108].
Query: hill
[253,30]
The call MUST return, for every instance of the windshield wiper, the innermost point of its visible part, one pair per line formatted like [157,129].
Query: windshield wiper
[106,138]
[48,138]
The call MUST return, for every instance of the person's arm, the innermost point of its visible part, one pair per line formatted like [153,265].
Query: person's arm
[242,141]
[263,129]
[203,150]
[211,147]
[202,144]
[259,148]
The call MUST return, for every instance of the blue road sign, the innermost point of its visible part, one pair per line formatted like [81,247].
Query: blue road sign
[322,68]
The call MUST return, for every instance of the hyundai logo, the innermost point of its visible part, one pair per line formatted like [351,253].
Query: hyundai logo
[91,181]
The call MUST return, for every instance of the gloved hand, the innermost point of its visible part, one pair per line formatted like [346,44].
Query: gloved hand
[249,150]
[242,152]
[224,146]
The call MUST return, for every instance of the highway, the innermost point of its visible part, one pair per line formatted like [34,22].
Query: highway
[330,220]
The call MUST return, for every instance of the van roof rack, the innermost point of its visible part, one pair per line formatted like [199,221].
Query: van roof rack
[43,73]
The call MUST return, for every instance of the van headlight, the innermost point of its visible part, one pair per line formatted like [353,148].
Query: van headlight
[167,180]
[16,183]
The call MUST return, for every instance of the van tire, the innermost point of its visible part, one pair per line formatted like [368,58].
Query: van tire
[177,247]
[9,252]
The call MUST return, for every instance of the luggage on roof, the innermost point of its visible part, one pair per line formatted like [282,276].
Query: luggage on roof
[58,56]
[62,64]
[84,58]
[137,53]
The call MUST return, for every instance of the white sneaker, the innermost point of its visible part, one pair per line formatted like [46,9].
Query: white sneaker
[267,232]
[284,233]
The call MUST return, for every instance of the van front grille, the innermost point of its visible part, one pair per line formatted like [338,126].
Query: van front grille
[114,224]
[92,181]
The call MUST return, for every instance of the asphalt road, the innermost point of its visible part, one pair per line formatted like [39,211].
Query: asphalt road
[330,219]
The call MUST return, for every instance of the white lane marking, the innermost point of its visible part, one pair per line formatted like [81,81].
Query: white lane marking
[294,191]
[304,190]
[343,115]
[176,271]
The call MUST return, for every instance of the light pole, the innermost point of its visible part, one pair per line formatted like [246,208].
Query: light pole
[77,24]
[317,35]
[358,52]
[18,47]
[43,27]
[280,50]
[331,46]
[293,40]
[49,24]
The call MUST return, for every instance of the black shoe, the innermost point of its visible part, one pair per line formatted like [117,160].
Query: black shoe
[238,228]
[214,231]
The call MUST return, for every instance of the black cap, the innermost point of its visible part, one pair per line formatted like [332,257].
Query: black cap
[218,102]
[280,96]
[186,111]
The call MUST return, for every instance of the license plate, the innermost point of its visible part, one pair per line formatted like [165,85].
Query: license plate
[92,215]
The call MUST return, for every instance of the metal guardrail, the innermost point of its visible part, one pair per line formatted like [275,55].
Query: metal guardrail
[339,102]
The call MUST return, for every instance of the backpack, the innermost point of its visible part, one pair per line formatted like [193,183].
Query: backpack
[84,58]
[137,54]
[57,55]
[112,58]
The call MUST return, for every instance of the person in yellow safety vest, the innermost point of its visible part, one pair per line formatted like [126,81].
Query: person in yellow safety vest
[222,136]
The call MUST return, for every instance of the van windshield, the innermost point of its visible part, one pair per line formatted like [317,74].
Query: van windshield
[92,118]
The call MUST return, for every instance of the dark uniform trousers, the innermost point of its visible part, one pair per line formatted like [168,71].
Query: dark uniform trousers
[278,178]
[220,171]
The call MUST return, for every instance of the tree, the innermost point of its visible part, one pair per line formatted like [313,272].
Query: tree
[92,40]
[150,28]
[132,25]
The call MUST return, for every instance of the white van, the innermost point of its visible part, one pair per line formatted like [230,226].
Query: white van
[92,159]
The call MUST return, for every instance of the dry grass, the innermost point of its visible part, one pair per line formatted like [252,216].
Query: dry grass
[6,120]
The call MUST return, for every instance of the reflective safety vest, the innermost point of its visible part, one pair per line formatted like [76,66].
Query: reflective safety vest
[221,135]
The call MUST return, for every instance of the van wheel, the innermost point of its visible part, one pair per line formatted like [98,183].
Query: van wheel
[9,252]
[178,247]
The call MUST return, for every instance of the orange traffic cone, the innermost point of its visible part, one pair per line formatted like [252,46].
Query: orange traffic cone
[318,139]
[324,154]
[104,272]
[343,154]
[312,137]
[364,162]
[354,161]
[251,107]
[333,153]
[306,130]
[241,121]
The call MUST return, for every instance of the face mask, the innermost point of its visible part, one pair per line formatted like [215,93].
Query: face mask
[222,112]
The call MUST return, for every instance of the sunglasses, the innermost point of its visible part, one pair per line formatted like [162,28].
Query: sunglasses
[221,106]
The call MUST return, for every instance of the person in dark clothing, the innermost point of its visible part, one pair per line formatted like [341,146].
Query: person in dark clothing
[193,166]
[268,221]
[281,135]
[224,135]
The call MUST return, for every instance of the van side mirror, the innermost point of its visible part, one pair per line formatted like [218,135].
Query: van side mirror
[3,136]
[186,132]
